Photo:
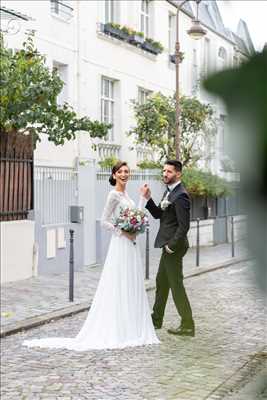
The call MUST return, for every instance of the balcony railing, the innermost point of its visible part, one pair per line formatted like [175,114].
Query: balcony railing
[61,9]
[106,150]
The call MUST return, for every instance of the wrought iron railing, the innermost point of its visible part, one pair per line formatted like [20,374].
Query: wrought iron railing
[61,9]
[16,176]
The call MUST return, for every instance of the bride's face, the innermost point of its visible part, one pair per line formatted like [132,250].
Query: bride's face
[122,175]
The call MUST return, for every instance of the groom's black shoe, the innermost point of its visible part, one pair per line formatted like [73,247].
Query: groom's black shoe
[183,331]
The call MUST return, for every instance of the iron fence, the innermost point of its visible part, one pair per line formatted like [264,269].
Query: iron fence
[16,176]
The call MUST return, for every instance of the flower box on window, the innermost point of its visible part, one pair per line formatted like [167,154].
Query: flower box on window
[152,46]
[115,31]
[136,39]
[129,35]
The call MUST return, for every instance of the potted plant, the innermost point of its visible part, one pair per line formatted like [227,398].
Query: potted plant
[115,30]
[152,46]
[137,38]
[172,57]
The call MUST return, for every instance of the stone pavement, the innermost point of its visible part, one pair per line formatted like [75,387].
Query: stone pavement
[229,311]
[37,300]
[254,389]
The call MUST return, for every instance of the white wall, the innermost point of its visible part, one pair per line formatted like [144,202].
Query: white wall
[89,54]
[16,250]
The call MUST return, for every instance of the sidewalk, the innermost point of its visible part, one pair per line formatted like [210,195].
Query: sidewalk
[34,301]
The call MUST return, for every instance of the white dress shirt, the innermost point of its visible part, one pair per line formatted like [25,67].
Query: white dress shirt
[173,186]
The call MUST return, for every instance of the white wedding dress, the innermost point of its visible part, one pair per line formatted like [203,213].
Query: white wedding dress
[119,315]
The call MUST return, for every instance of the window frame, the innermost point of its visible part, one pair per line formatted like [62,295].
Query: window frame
[109,11]
[61,9]
[143,94]
[109,101]
[171,32]
[63,72]
[195,77]
[206,56]
[145,17]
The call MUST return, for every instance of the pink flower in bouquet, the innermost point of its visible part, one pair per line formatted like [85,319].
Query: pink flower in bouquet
[132,220]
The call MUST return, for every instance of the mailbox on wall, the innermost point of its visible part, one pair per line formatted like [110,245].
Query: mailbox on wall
[76,214]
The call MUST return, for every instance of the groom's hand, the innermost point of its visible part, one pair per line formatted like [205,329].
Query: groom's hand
[168,250]
[145,192]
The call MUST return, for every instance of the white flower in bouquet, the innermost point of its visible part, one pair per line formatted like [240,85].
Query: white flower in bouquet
[132,220]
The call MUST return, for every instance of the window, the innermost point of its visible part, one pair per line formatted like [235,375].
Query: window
[235,61]
[222,134]
[172,33]
[109,11]
[195,82]
[206,64]
[222,53]
[142,95]
[222,58]
[62,70]
[107,105]
[62,9]
[144,17]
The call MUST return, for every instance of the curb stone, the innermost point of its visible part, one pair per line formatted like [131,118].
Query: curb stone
[70,310]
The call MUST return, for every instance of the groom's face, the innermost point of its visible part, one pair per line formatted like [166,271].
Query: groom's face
[170,175]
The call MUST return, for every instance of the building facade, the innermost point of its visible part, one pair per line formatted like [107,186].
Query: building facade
[103,69]
[103,72]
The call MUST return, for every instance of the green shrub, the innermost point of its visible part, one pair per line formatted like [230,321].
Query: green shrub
[149,164]
[108,163]
[155,44]
[201,183]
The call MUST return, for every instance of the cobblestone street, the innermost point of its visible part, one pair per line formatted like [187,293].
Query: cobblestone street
[44,294]
[229,312]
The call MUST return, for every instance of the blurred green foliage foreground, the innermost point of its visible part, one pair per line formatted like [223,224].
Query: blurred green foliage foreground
[244,91]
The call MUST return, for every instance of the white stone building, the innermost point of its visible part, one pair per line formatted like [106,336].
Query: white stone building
[102,73]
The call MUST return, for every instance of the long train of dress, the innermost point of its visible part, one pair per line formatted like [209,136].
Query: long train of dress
[119,315]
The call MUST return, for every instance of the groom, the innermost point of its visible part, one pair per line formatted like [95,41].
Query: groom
[174,214]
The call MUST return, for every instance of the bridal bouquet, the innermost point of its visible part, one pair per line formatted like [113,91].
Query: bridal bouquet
[132,220]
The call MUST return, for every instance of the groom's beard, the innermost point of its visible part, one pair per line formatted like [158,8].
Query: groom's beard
[169,181]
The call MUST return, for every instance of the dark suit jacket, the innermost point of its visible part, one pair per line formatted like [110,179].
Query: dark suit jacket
[174,220]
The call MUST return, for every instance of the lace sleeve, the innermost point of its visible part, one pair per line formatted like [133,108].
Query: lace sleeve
[142,202]
[106,218]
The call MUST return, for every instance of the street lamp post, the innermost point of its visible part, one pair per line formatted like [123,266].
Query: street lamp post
[196,32]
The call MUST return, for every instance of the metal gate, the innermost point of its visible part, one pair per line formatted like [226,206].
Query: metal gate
[56,188]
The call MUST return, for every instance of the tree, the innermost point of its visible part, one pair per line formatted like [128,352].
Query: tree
[155,127]
[28,98]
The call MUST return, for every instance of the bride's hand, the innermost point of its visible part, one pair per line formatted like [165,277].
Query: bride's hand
[130,236]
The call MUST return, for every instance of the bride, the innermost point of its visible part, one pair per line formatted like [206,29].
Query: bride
[119,315]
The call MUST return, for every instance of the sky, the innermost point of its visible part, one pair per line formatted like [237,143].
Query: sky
[253,12]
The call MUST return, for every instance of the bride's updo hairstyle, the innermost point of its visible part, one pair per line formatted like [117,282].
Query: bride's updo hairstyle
[116,168]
